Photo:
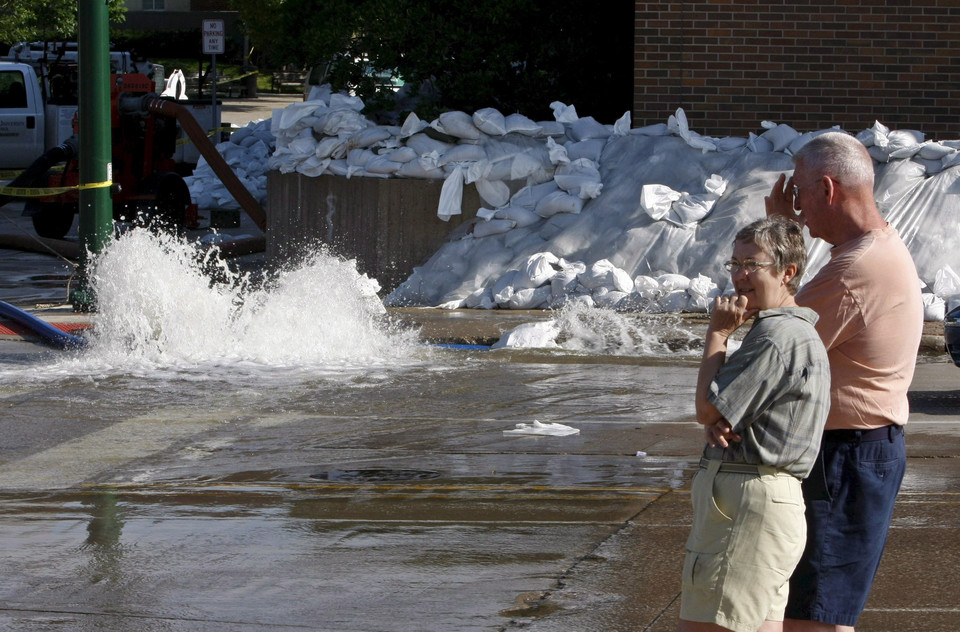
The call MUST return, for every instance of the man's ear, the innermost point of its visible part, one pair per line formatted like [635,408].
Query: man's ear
[829,189]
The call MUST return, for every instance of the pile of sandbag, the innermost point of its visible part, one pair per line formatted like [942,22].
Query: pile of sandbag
[576,210]
[247,153]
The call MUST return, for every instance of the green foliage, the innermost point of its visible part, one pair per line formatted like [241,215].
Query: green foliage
[515,55]
[46,20]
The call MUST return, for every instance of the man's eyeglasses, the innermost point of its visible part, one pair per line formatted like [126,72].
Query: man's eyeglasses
[747,266]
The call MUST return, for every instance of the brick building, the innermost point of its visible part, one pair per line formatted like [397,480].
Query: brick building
[809,63]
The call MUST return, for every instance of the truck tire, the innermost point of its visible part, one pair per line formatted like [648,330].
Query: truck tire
[51,220]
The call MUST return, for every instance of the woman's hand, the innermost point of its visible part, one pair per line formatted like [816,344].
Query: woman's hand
[721,433]
[729,313]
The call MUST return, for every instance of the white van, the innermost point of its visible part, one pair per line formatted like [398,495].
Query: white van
[22,128]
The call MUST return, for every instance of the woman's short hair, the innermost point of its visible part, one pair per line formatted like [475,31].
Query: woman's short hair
[782,239]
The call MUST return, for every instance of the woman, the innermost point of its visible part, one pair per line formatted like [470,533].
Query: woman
[763,409]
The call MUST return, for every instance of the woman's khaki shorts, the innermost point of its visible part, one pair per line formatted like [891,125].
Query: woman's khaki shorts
[748,534]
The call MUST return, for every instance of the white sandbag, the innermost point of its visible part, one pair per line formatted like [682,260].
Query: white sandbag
[313,166]
[334,122]
[647,287]
[934,307]
[368,137]
[903,143]
[402,154]
[451,195]
[587,128]
[580,177]
[557,152]
[456,123]
[930,150]
[673,282]
[495,193]
[520,124]
[674,302]
[551,129]
[565,282]
[529,196]
[656,129]
[947,282]
[621,127]
[758,144]
[340,101]
[606,298]
[423,145]
[480,299]
[558,202]
[382,165]
[876,135]
[490,121]
[589,149]
[531,335]
[300,146]
[538,269]
[677,123]
[463,153]
[657,200]
[529,298]
[521,216]
[491,227]
[359,157]
[420,169]
[780,136]
[321,93]
[598,274]
[564,113]
[730,143]
[412,125]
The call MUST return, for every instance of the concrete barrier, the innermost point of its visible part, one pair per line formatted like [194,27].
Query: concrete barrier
[389,225]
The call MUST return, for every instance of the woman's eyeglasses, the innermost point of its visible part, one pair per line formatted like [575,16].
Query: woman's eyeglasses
[747,266]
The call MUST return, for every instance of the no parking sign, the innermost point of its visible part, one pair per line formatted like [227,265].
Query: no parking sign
[213,37]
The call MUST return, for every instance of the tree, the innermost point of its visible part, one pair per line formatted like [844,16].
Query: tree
[46,20]
[515,55]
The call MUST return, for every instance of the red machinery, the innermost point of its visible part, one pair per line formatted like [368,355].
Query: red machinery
[147,189]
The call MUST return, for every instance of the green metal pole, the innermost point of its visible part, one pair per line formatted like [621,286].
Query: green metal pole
[96,169]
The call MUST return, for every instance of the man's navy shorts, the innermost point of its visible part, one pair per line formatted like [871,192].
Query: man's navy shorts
[849,497]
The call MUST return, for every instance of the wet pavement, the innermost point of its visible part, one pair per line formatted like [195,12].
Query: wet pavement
[388,498]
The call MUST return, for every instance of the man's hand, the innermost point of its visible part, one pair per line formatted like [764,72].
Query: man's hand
[721,433]
[780,200]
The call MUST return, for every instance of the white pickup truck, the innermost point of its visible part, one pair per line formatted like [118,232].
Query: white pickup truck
[28,126]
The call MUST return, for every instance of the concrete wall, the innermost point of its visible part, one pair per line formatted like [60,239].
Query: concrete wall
[388,225]
[810,64]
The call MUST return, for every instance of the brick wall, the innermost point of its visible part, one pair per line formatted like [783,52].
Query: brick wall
[731,64]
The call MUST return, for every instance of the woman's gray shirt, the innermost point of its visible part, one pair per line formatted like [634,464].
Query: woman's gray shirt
[775,392]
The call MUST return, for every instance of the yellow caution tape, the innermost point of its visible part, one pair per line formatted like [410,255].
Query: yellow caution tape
[24,192]
[223,128]
[231,79]
[7,175]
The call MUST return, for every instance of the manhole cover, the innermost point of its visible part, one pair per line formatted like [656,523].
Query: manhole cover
[375,475]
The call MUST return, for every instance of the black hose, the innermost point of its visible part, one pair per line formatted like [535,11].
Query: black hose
[32,176]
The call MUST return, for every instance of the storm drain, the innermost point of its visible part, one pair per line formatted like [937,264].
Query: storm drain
[375,475]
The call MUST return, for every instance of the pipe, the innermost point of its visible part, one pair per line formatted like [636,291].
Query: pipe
[47,332]
[153,103]
[31,176]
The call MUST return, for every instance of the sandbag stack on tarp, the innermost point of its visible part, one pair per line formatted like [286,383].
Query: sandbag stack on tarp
[576,210]
[671,203]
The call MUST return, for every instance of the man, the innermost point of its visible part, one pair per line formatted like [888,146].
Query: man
[871,319]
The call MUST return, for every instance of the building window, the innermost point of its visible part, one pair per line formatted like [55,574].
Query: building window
[153,5]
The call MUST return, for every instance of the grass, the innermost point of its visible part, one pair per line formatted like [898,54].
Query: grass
[189,66]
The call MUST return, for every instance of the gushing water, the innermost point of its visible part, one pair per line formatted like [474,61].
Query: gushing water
[158,310]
